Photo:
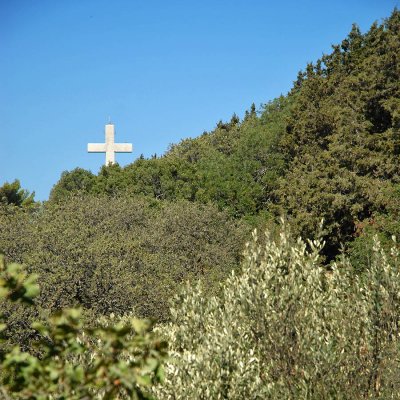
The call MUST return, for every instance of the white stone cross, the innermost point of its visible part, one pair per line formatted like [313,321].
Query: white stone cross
[109,147]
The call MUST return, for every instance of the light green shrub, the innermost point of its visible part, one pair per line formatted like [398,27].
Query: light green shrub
[288,328]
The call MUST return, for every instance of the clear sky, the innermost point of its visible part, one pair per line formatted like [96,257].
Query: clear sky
[162,70]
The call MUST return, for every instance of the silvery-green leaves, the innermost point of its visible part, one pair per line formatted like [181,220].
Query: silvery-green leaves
[286,327]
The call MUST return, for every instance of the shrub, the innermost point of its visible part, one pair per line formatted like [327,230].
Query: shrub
[288,328]
[118,360]
[113,255]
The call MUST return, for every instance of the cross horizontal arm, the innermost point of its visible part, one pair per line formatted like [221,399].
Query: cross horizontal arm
[122,148]
[96,147]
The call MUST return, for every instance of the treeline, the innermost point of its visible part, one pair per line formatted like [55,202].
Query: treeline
[232,167]
[330,148]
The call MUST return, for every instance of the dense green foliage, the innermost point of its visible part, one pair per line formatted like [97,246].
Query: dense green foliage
[12,193]
[115,360]
[120,254]
[235,167]
[330,148]
[343,138]
[286,328]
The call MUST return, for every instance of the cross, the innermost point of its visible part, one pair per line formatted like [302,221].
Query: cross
[109,147]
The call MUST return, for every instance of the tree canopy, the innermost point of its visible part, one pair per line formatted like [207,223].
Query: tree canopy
[12,193]
[329,148]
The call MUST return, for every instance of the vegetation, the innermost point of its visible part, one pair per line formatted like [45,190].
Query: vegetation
[12,193]
[311,319]
[286,328]
[118,255]
[330,148]
[118,359]
[342,138]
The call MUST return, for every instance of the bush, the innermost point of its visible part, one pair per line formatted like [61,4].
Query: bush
[118,360]
[288,328]
[113,255]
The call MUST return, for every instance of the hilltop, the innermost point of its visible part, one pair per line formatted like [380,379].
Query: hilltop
[328,149]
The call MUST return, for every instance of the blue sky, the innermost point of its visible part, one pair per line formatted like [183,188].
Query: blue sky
[162,70]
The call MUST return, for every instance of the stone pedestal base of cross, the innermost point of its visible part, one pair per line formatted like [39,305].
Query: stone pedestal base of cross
[109,147]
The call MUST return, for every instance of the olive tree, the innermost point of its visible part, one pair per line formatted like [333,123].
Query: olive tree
[286,327]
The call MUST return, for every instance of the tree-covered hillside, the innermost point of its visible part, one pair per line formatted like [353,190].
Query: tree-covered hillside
[330,148]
